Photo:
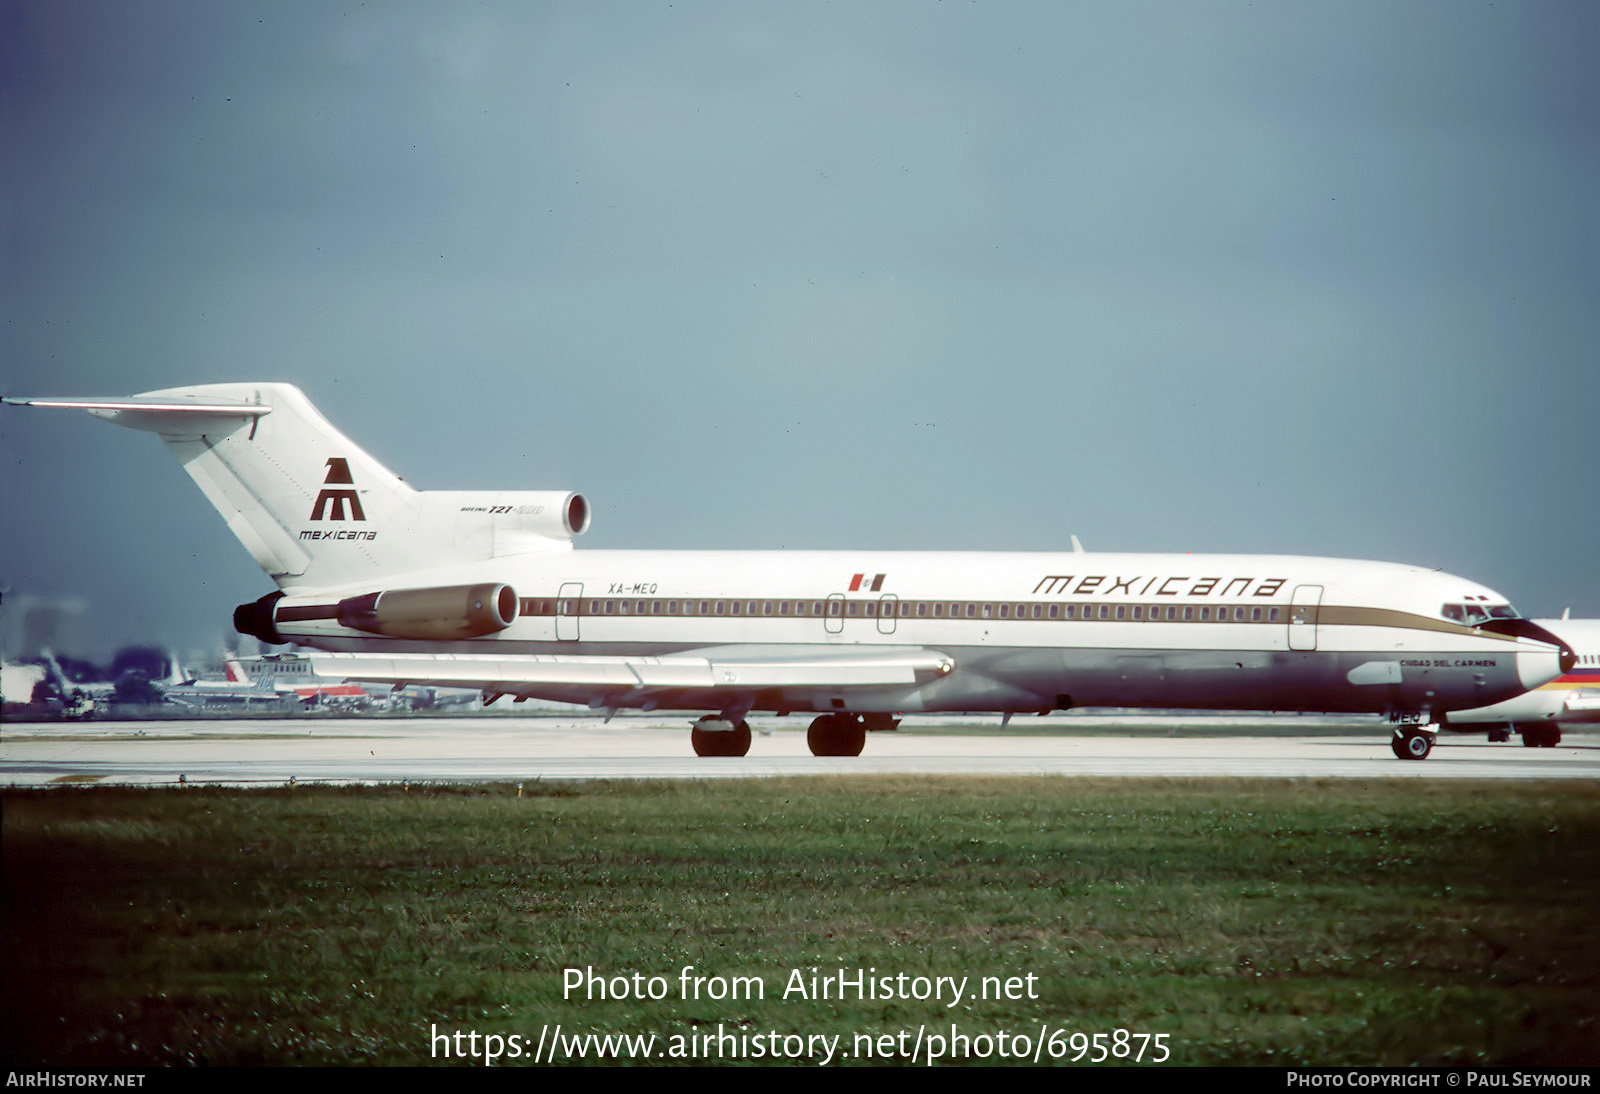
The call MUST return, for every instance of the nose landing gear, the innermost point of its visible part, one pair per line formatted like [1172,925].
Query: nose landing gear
[1413,742]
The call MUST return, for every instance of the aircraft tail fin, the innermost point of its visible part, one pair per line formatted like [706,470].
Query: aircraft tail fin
[313,508]
[176,675]
[301,497]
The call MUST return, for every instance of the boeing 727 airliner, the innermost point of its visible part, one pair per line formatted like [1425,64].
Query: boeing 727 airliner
[483,589]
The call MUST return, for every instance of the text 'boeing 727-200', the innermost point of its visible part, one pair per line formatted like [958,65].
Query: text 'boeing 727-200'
[483,589]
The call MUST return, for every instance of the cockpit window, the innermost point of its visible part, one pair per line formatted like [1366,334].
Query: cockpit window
[1473,614]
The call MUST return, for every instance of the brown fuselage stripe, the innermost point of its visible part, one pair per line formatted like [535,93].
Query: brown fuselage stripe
[984,612]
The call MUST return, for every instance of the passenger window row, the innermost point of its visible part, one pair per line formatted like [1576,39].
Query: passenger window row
[837,608]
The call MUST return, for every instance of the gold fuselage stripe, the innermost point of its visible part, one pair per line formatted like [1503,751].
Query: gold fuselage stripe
[978,611]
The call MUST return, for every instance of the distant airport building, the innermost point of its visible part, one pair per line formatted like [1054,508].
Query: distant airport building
[31,624]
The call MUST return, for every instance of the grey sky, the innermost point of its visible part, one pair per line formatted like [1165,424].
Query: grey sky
[1304,278]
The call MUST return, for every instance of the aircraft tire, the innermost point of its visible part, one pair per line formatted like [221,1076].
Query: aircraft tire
[820,735]
[1541,736]
[1412,745]
[836,735]
[709,742]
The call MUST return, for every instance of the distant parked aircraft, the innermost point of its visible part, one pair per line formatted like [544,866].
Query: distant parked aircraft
[295,677]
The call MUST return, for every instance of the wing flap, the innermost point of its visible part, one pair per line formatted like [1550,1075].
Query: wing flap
[734,667]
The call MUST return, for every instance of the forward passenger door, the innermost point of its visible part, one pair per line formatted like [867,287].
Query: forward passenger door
[1303,617]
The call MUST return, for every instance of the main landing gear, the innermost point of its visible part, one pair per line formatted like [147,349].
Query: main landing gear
[1413,742]
[720,737]
[837,735]
[1540,736]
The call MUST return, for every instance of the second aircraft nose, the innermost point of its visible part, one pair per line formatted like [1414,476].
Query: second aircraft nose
[1538,664]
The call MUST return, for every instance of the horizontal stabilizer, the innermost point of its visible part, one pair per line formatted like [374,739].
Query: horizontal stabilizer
[154,415]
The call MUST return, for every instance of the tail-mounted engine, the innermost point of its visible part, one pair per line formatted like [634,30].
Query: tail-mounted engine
[449,612]
[484,524]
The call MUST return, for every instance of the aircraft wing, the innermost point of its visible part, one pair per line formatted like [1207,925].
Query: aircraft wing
[1581,706]
[733,669]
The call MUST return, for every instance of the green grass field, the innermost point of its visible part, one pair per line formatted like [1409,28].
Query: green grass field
[1248,921]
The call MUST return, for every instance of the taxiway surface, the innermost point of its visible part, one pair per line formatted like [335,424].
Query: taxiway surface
[462,750]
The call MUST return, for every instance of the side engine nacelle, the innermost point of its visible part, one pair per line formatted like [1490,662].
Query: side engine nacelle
[458,611]
[448,612]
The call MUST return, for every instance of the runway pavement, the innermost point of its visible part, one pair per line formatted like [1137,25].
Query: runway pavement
[422,749]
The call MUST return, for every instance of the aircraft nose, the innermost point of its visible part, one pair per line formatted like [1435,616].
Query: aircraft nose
[1538,665]
[1529,659]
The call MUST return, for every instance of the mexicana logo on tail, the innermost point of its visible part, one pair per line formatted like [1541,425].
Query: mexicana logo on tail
[332,501]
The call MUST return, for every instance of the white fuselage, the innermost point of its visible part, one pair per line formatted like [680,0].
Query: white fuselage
[1026,631]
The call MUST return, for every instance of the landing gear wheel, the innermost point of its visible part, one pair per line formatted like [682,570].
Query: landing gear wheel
[1496,736]
[1537,736]
[1411,744]
[837,735]
[720,742]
